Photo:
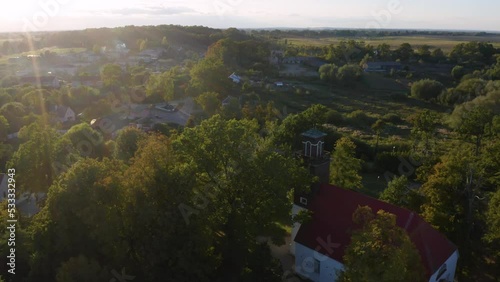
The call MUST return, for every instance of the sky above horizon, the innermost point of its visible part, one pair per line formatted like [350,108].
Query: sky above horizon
[40,15]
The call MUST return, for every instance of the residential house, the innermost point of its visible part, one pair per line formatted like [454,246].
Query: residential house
[63,69]
[25,202]
[276,57]
[64,114]
[319,245]
[382,66]
[294,60]
[229,100]
[90,81]
[41,81]
[235,78]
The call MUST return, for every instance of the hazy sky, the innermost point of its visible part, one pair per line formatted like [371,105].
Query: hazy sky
[19,15]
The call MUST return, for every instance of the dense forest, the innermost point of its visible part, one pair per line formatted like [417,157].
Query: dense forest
[200,200]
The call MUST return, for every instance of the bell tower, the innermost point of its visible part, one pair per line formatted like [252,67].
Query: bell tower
[318,161]
[314,154]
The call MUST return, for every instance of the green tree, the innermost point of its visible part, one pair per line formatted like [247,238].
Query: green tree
[158,188]
[81,269]
[127,143]
[493,216]
[424,129]
[165,85]
[14,113]
[328,72]
[245,181]
[475,124]
[349,74]
[34,158]
[384,52]
[81,217]
[447,206]
[400,194]
[143,45]
[210,75]
[86,140]
[96,49]
[404,52]
[293,125]
[164,41]
[426,89]
[424,53]
[493,221]
[380,242]
[378,127]
[438,55]
[111,75]
[209,102]
[457,72]
[345,167]
[4,129]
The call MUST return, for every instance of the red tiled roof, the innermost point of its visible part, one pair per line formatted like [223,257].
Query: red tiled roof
[331,225]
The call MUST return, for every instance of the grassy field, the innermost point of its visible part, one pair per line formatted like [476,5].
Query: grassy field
[376,95]
[444,42]
[57,50]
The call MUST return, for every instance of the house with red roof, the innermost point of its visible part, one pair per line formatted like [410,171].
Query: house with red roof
[319,244]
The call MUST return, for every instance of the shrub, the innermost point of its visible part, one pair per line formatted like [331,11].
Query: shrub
[426,89]
[457,72]
[359,118]
[392,118]
[334,117]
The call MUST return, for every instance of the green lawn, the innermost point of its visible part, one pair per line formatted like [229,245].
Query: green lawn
[444,42]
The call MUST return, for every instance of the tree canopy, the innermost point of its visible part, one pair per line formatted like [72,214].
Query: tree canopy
[380,250]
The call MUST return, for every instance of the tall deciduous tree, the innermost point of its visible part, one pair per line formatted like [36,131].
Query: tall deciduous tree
[34,158]
[378,127]
[474,124]
[82,269]
[127,143]
[424,130]
[345,167]
[210,75]
[246,183]
[426,89]
[161,242]
[380,250]
[493,216]
[399,193]
[111,75]
[447,206]
[209,102]
[81,217]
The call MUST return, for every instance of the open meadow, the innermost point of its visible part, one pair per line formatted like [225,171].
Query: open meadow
[446,43]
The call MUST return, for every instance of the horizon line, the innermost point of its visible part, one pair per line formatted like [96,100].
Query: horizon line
[282,28]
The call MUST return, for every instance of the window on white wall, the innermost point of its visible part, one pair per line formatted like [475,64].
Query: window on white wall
[316,266]
[442,271]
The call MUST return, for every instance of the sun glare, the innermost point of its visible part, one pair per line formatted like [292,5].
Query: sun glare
[12,10]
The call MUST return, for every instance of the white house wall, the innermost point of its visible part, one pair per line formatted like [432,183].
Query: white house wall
[304,265]
[451,265]
[295,228]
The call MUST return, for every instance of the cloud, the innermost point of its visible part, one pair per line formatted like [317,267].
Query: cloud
[151,11]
